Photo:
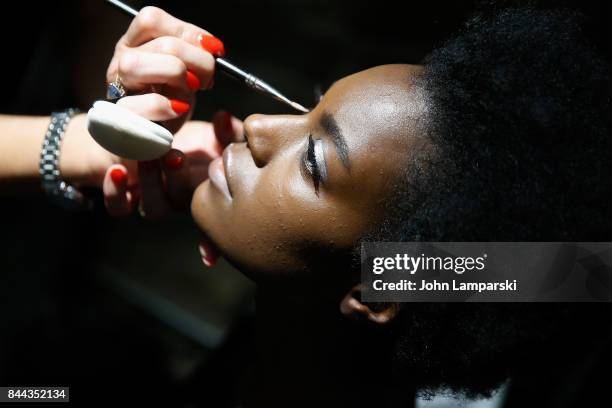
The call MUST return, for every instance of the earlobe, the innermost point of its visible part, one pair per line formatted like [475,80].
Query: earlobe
[352,306]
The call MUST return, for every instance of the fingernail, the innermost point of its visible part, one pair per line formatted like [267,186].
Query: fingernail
[210,83]
[179,107]
[209,258]
[118,176]
[174,161]
[192,81]
[213,45]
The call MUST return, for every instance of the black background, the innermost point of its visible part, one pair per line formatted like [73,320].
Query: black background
[58,324]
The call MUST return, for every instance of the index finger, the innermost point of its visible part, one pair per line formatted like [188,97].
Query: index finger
[152,22]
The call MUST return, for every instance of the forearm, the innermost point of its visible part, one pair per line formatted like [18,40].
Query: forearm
[82,161]
[21,140]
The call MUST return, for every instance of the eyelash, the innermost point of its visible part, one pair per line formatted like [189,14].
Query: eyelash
[309,161]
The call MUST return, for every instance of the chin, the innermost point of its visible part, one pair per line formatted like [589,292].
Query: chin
[208,207]
[198,202]
[257,258]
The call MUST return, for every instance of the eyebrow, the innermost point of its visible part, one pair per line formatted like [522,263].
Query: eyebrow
[330,126]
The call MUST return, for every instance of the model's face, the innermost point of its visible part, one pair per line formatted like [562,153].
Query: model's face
[305,187]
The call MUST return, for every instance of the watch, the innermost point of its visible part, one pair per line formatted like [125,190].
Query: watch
[59,191]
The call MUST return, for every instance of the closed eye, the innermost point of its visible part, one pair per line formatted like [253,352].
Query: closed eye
[310,163]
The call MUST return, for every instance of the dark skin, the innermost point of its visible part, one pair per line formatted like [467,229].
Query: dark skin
[278,213]
[299,196]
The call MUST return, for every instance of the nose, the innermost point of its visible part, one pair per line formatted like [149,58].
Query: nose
[267,135]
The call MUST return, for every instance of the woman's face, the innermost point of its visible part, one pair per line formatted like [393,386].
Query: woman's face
[305,187]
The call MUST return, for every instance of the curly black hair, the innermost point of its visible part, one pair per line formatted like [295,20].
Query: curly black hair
[519,117]
[520,114]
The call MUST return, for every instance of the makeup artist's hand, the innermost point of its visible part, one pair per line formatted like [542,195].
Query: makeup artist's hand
[162,55]
[169,182]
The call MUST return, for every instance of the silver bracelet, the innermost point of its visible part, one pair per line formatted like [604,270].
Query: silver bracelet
[57,189]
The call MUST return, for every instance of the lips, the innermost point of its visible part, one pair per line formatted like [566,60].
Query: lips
[216,174]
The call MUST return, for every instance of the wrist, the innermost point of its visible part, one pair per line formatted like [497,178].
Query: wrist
[82,161]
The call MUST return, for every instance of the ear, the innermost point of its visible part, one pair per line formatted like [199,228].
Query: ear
[379,313]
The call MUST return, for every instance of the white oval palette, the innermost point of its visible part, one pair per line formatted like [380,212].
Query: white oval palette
[127,134]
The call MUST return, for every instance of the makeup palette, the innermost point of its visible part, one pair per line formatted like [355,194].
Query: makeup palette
[126,134]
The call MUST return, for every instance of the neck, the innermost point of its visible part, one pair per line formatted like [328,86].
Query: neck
[309,349]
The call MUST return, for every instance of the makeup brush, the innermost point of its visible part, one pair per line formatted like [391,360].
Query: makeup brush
[232,70]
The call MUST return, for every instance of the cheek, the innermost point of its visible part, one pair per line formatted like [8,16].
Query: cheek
[268,224]
[276,220]
[286,218]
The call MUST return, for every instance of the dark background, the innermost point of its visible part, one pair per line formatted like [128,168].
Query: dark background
[124,306]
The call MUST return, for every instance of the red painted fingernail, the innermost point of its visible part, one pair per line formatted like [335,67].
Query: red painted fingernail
[174,161]
[209,257]
[213,45]
[210,83]
[118,176]
[210,262]
[179,107]
[192,81]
